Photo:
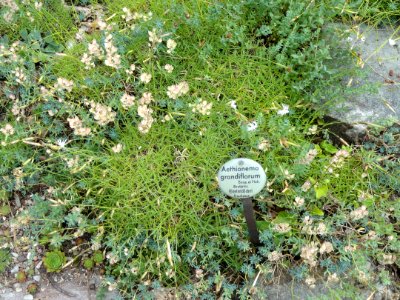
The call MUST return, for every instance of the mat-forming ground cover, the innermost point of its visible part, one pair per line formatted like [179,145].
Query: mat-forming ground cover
[116,118]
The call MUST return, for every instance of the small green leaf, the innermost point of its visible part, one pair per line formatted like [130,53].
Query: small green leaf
[39,57]
[328,147]
[315,211]
[5,210]
[284,217]
[263,225]
[321,191]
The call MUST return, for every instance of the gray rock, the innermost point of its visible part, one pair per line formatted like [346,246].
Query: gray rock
[378,99]
[15,269]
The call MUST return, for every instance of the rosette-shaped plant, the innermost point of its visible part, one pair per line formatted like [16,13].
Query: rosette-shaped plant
[54,260]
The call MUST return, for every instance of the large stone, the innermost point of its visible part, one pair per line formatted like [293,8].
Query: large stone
[379,99]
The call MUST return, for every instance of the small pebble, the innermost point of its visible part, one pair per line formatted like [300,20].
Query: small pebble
[28,297]
[17,287]
[15,269]
[36,278]
[39,265]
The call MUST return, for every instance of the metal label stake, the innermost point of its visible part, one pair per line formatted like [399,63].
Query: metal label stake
[248,211]
[243,178]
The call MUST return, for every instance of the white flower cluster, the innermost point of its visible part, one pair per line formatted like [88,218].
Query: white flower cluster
[311,154]
[145,78]
[94,51]
[274,256]
[251,126]
[359,213]
[326,247]
[131,69]
[178,90]
[113,59]
[16,109]
[298,201]
[102,113]
[309,254]
[333,278]
[38,5]
[288,175]
[264,145]
[313,229]
[310,281]
[306,186]
[337,161]
[169,68]
[154,38]
[147,120]
[117,148]
[112,258]
[127,101]
[7,130]
[171,45]
[12,9]
[284,110]
[19,74]
[145,112]
[202,107]
[129,16]
[76,124]
[146,99]
[282,227]
[63,84]
[388,259]
[101,24]
[392,42]
[312,130]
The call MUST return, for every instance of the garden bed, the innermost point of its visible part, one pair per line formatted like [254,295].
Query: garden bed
[116,117]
